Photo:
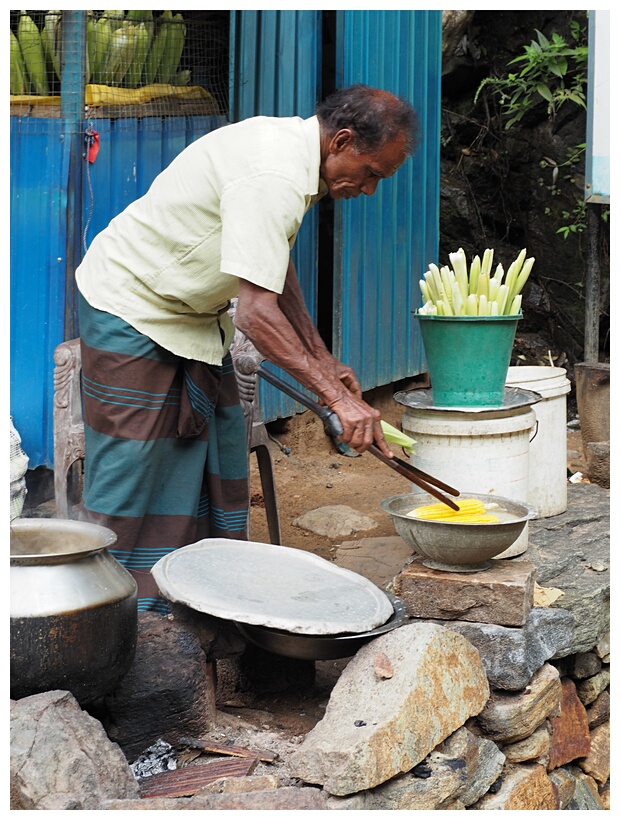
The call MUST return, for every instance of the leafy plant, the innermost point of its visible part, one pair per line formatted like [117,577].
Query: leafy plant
[552,70]
[576,220]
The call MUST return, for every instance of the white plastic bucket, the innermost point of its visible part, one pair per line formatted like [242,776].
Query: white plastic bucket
[476,452]
[547,481]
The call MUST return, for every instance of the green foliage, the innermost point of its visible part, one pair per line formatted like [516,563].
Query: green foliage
[551,70]
[576,221]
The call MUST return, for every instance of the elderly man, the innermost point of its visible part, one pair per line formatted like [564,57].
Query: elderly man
[166,462]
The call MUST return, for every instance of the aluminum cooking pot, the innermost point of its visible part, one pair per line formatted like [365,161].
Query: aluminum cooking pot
[74,618]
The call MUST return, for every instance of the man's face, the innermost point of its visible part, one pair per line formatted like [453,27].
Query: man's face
[348,173]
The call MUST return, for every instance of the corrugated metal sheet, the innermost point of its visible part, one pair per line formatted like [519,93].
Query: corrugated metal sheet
[39,163]
[277,72]
[385,242]
[132,152]
[382,244]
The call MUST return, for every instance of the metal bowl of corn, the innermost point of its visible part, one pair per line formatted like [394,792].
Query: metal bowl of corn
[485,526]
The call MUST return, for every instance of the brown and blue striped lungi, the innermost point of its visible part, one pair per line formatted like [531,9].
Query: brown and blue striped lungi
[166,458]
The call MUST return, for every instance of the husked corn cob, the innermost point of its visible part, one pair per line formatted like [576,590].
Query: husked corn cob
[29,38]
[455,292]
[471,511]
[19,84]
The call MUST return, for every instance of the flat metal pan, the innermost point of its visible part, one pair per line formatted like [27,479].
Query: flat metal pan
[321,647]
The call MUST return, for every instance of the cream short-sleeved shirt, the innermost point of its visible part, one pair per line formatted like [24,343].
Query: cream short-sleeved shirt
[227,207]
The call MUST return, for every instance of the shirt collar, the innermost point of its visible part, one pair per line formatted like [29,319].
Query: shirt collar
[313,139]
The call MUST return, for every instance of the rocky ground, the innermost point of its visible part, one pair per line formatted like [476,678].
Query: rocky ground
[310,473]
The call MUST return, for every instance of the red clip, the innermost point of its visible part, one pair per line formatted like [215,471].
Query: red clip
[92,138]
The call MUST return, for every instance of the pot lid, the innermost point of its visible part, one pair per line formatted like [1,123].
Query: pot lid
[271,585]
[514,398]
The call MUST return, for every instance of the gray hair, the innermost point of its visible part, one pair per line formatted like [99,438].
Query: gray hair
[375,116]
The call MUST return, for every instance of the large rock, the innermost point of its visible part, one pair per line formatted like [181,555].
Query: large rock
[590,688]
[525,788]
[511,655]
[377,727]
[597,761]
[571,552]
[502,594]
[61,757]
[288,798]
[569,731]
[335,521]
[509,717]
[532,748]
[489,767]
[586,795]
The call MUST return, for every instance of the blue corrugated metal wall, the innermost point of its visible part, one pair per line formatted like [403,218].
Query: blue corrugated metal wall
[277,73]
[381,244]
[132,152]
[385,242]
[39,161]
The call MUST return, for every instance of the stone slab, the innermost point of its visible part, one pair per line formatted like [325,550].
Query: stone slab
[569,731]
[378,559]
[511,655]
[503,594]
[571,552]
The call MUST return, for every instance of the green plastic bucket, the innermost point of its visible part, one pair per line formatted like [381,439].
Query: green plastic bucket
[468,358]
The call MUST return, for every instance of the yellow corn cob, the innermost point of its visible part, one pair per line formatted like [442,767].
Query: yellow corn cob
[158,46]
[19,84]
[482,518]
[440,510]
[29,39]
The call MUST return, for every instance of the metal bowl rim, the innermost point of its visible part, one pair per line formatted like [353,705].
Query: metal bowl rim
[529,514]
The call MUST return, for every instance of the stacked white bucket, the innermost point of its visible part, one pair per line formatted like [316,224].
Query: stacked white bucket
[518,453]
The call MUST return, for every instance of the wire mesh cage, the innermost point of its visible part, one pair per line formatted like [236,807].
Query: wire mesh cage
[136,63]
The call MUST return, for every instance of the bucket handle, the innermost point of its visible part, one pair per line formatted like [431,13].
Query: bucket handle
[535,432]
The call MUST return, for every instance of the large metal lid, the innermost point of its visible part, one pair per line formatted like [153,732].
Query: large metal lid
[273,586]
[422,399]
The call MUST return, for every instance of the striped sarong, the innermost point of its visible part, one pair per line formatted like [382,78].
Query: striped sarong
[166,457]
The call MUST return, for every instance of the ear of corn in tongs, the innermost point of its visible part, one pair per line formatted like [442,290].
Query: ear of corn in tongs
[471,511]
[394,436]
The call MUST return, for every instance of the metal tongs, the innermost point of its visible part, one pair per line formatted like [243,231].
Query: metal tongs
[333,427]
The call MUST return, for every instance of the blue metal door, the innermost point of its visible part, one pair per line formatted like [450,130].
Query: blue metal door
[277,69]
[383,244]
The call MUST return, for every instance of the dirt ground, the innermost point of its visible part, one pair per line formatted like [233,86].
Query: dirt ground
[314,474]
